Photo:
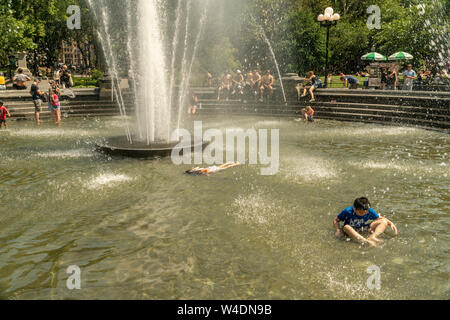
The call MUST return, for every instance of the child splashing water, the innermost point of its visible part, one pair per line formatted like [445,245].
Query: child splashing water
[362,217]
[3,113]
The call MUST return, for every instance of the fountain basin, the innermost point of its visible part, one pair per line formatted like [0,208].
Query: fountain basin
[120,146]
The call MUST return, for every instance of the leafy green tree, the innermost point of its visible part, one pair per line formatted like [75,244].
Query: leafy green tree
[307,42]
[17,31]
[220,57]
[406,27]
[349,41]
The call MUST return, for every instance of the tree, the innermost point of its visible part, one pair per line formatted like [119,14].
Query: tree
[17,32]
[421,32]
[307,42]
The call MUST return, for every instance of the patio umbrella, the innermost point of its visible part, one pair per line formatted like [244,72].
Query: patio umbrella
[373,56]
[401,56]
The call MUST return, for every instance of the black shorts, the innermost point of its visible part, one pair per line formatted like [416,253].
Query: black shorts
[2,121]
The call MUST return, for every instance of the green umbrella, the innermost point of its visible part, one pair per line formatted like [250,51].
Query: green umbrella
[373,56]
[401,56]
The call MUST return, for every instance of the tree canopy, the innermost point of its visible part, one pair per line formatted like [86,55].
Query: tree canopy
[238,32]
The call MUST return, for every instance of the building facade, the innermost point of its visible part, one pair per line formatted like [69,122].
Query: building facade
[71,54]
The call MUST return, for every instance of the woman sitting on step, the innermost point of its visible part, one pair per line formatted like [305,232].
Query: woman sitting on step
[314,83]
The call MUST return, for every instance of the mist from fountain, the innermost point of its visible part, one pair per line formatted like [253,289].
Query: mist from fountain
[158,64]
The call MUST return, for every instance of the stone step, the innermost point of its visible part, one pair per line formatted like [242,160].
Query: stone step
[441,121]
[344,91]
[385,119]
[435,108]
[404,114]
[386,99]
[63,108]
[29,104]
[101,112]
[367,120]
[414,111]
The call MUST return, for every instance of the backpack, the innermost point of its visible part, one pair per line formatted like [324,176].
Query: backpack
[44,97]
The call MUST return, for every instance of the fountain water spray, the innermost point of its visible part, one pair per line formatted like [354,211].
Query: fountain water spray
[276,64]
[151,66]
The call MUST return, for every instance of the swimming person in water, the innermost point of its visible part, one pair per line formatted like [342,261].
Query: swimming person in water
[214,169]
[361,217]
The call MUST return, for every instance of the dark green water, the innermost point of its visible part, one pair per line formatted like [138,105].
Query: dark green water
[144,230]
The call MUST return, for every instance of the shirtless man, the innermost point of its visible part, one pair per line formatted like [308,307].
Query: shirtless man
[238,83]
[266,84]
[256,79]
[20,80]
[227,85]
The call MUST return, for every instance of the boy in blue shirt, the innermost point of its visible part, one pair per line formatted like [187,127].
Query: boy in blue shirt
[359,217]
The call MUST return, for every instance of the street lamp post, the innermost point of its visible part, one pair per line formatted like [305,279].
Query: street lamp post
[328,20]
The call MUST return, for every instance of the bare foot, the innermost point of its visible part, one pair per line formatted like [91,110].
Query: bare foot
[372,243]
[375,239]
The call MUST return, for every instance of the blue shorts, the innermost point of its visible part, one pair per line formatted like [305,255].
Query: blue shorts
[54,108]
[310,119]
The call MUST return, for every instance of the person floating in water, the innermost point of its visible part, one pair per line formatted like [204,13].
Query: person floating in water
[214,169]
[362,217]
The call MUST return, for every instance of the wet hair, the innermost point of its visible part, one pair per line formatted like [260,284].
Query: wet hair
[1,103]
[361,204]
[20,70]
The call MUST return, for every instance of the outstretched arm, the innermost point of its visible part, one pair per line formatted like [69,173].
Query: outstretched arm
[337,226]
